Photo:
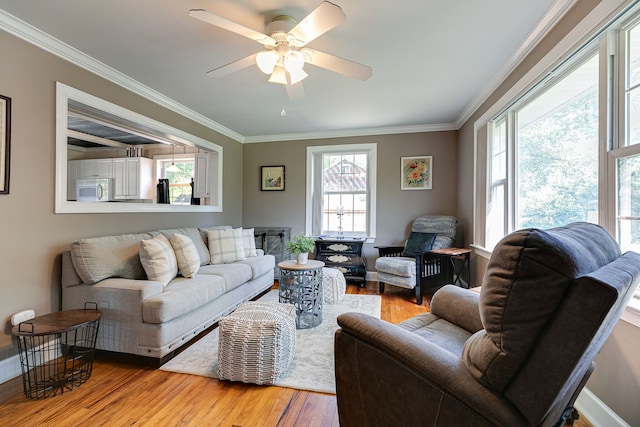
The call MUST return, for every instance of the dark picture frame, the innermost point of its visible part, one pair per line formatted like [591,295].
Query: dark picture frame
[272,178]
[5,143]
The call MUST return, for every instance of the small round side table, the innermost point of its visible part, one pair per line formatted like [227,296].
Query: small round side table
[301,285]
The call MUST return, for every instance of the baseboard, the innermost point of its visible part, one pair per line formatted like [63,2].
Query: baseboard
[9,368]
[594,410]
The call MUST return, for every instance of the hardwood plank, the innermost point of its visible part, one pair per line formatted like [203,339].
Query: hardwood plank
[126,391]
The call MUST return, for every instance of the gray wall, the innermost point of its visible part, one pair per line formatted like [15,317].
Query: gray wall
[32,235]
[617,376]
[396,209]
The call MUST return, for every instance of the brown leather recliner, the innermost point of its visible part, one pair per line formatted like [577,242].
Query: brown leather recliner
[517,354]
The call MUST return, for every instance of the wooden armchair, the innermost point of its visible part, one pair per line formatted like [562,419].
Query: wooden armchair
[413,266]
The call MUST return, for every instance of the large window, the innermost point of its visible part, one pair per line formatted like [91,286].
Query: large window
[568,149]
[341,190]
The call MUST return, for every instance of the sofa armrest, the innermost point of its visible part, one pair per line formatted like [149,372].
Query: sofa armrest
[458,306]
[389,376]
[120,301]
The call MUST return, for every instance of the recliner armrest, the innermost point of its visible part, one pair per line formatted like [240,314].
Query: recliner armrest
[390,250]
[458,306]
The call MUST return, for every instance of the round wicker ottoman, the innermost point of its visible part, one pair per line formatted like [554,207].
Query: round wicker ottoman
[334,285]
[256,342]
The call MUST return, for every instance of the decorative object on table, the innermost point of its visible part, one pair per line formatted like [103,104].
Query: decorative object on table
[256,342]
[416,172]
[272,178]
[340,213]
[5,143]
[312,366]
[163,190]
[301,285]
[300,246]
[344,255]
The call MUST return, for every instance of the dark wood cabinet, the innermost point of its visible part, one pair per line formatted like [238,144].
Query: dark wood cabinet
[344,255]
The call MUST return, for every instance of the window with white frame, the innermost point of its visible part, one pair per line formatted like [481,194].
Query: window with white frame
[569,148]
[341,183]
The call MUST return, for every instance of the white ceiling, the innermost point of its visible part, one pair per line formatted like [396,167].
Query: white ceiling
[433,61]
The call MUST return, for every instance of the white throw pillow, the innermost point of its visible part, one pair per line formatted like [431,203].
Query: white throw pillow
[249,242]
[158,259]
[225,246]
[186,254]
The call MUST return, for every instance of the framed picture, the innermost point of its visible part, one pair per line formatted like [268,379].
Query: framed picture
[5,142]
[272,178]
[416,172]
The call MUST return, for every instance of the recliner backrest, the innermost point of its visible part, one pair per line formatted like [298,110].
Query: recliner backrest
[534,279]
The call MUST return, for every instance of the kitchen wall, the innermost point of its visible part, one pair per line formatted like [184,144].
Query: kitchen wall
[32,236]
[396,209]
[617,376]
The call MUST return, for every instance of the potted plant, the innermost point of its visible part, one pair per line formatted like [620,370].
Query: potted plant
[300,246]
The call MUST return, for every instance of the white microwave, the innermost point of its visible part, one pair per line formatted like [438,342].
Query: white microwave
[94,190]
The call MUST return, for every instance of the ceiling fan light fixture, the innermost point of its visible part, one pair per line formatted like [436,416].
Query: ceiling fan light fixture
[297,75]
[278,76]
[267,60]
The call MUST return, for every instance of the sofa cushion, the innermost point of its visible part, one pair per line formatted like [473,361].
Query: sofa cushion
[249,242]
[195,235]
[526,280]
[260,265]
[234,275]
[225,246]
[158,259]
[182,296]
[99,258]
[397,266]
[186,254]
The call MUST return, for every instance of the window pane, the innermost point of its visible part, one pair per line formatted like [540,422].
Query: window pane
[496,211]
[557,153]
[628,214]
[631,89]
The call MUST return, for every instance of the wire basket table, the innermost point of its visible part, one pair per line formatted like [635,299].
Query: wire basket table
[57,351]
[301,285]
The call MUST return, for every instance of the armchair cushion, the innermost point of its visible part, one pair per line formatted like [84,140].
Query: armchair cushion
[442,225]
[418,243]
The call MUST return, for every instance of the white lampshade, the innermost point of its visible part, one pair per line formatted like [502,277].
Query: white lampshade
[278,76]
[266,61]
[297,75]
[293,61]
[173,168]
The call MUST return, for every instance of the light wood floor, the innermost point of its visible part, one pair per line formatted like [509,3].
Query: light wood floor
[125,391]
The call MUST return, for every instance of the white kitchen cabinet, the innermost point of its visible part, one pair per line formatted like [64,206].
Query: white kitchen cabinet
[95,168]
[73,167]
[132,178]
[201,185]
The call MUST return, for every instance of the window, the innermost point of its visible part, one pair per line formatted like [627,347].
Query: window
[180,188]
[568,148]
[341,190]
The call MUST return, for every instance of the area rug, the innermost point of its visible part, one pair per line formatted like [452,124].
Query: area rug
[313,364]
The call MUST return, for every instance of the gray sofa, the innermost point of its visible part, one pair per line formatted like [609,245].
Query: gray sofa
[147,317]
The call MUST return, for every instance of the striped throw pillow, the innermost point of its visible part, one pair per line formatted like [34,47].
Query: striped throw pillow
[249,242]
[158,259]
[186,254]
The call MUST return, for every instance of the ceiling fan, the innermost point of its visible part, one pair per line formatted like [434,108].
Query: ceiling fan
[285,40]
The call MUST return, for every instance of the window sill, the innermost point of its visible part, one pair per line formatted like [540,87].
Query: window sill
[631,314]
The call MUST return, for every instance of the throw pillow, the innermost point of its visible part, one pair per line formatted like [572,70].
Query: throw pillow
[186,254]
[158,259]
[418,242]
[249,242]
[225,246]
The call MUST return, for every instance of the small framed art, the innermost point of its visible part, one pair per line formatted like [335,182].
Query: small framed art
[5,143]
[272,178]
[416,172]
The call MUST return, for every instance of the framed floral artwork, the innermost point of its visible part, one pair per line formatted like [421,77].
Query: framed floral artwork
[416,172]
[272,178]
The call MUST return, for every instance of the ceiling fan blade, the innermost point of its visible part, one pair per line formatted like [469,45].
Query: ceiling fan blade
[232,67]
[234,27]
[338,65]
[295,92]
[322,19]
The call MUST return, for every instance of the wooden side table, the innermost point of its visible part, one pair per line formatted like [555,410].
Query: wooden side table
[301,285]
[454,254]
[57,350]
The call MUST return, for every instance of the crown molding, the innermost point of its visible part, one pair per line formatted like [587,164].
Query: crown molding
[551,18]
[348,133]
[39,38]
